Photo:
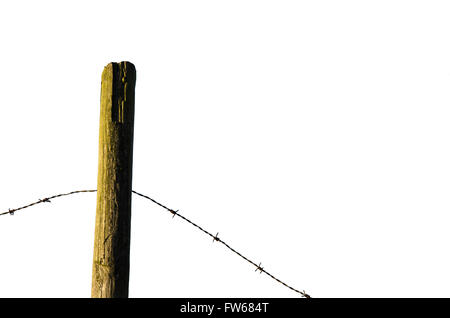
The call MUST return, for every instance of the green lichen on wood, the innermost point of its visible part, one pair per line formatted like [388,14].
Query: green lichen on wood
[113,217]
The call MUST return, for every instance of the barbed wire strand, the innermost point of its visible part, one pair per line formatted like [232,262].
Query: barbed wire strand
[174,213]
[11,211]
[217,239]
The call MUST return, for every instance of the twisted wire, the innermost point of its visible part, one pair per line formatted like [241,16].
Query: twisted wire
[11,211]
[174,213]
[217,239]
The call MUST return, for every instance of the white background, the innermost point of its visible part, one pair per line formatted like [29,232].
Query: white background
[312,135]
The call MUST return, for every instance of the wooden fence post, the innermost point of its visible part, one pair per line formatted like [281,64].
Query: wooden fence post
[111,263]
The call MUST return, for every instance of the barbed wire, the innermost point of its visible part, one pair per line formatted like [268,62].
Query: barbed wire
[11,211]
[217,239]
[174,213]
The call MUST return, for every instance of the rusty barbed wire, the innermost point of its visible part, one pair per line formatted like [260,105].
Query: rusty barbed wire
[217,239]
[174,213]
[11,211]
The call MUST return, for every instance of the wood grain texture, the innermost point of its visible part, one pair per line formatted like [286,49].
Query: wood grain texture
[111,263]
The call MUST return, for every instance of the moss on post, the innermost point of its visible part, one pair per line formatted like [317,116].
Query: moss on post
[110,272]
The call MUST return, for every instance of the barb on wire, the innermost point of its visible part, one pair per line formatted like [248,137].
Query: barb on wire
[11,211]
[217,239]
[259,268]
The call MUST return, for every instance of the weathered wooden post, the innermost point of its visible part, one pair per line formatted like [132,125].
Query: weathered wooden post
[111,264]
